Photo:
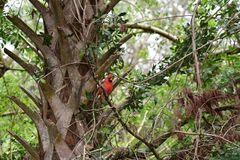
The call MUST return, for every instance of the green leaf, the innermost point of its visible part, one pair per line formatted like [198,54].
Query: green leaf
[212,23]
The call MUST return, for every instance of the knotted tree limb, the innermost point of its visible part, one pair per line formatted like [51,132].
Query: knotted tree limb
[26,145]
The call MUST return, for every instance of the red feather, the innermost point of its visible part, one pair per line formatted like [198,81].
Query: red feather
[107,85]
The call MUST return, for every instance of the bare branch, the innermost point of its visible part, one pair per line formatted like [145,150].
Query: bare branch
[5,114]
[107,116]
[31,69]
[149,145]
[161,139]
[229,51]
[227,107]
[106,65]
[110,6]
[125,126]
[31,46]
[152,29]
[33,115]
[121,153]
[42,129]
[39,6]
[209,135]
[26,145]
[194,48]
[46,51]
[33,97]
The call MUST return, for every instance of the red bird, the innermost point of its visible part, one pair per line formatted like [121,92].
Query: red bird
[107,85]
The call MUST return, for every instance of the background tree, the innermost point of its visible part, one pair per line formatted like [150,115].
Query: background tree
[188,100]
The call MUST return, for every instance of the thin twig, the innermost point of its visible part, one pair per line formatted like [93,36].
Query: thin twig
[124,125]
[197,69]
[209,135]
[162,18]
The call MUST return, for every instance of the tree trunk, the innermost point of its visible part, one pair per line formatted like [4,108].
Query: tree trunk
[67,77]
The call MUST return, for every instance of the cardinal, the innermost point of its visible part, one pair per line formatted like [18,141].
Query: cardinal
[107,85]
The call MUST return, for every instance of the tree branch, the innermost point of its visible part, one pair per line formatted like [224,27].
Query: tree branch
[113,49]
[106,65]
[110,6]
[39,6]
[26,145]
[46,51]
[229,51]
[209,135]
[5,114]
[152,29]
[32,47]
[31,69]
[33,115]
[33,97]
[124,125]
[43,132]
[227,107]
[121,153]
[194,48]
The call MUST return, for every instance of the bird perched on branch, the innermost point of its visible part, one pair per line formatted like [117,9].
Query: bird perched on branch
[106,85]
